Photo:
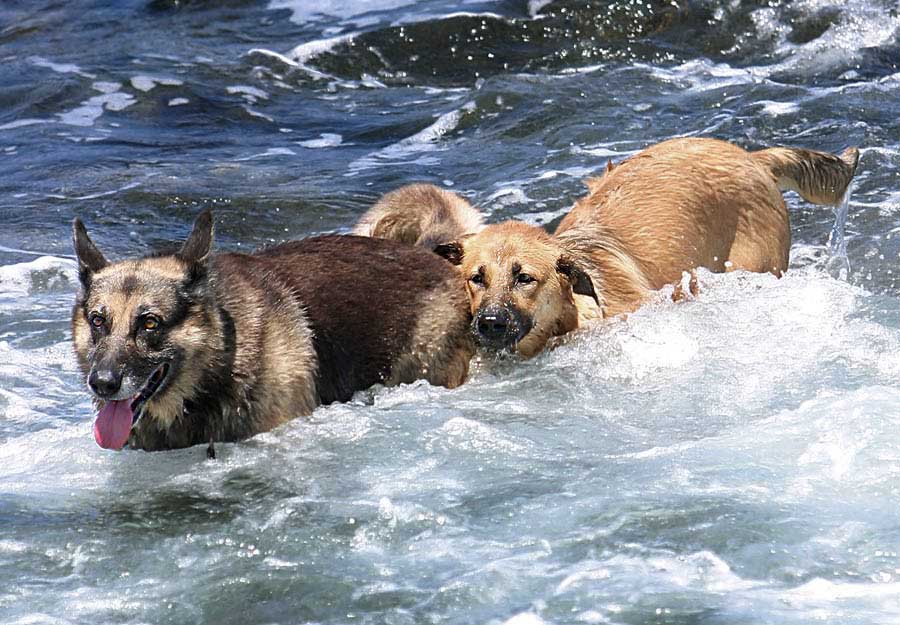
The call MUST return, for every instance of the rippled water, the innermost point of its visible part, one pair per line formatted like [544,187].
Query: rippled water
[732,459]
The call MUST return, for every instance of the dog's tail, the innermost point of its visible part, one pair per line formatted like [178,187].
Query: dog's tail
[819,177]
[420,214]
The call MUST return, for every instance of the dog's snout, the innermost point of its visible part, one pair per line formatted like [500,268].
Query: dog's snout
[500,327]
[105,382]
[494,324]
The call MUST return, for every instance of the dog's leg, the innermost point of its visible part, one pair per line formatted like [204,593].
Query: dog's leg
[211,450]
[693,287]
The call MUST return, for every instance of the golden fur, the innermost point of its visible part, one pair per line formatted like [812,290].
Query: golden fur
[674,207]
[420,214]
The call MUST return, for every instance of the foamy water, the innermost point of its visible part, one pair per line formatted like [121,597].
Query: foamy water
[728,459]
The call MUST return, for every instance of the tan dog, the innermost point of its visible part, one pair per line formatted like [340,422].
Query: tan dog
[674,207]
[420,214]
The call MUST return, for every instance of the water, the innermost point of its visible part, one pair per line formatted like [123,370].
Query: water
[731,459]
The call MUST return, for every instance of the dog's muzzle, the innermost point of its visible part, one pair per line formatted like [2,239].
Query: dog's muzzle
[116,417]
[499,328]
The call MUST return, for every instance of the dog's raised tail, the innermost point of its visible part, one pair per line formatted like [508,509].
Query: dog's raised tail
[819,177]
[420,214]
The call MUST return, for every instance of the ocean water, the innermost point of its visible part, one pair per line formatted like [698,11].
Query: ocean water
[732,459]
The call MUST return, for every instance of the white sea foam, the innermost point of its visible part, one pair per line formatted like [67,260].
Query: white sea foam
[93,196]
[21,123]
[252,94]
[61,68]
[148,83]
[325,140]
[778,108]
[304,52]
[861,25]
[409,149]
[111,99]
[268,153]
[303,12]
[368,13]
[535,6]
[47,273]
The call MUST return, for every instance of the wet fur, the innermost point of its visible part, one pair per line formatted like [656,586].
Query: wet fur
[674,207]
[420,214]
[257,339]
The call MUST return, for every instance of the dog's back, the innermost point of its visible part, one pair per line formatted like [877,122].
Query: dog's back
[687,203]
[379,311]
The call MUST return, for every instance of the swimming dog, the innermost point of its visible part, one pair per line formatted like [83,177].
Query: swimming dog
[196,347]
[672,208]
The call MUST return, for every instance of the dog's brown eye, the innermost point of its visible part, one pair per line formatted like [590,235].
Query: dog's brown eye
[96,320]
[524,278]
[477,278]
[151,323]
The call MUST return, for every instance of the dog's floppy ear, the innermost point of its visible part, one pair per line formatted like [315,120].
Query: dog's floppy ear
[199,243]
[452,251]
[90,259]
[578,277]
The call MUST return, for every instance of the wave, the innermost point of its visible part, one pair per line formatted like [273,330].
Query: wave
[812,39]
[43,275]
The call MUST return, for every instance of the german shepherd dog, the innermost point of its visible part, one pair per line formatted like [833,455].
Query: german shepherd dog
[195,347]
[674,207]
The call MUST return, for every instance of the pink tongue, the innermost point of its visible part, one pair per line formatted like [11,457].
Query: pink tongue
[113,424]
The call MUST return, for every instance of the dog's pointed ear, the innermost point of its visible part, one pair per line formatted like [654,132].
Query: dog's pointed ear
[452,251]
[199,243]
[90,259]
[579,279]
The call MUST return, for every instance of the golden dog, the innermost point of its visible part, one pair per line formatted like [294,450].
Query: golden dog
[674,207]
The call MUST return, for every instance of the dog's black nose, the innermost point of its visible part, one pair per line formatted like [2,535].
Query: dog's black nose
[493,325]
[105,382]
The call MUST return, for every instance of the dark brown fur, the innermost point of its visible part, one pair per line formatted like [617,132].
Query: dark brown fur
[257,339]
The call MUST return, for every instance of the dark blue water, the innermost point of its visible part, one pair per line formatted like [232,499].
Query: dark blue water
[730,460]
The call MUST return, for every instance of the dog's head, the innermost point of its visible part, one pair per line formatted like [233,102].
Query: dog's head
[140,330]
[521,284]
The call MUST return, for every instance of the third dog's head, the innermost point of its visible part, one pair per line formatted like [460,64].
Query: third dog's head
[521,284]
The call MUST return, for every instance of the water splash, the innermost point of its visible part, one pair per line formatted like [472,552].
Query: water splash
[838,263]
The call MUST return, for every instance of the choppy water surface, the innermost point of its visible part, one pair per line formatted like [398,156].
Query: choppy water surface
[733,459]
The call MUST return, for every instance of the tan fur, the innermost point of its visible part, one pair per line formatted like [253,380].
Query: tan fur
[441,349]
[819,177]
[676,206]
[420,214]
[495,252]
[203,347]
[275,350]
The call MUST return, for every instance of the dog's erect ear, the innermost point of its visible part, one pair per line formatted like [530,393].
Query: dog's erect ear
[579,279]
[451,251]
[199,243]
[90,259]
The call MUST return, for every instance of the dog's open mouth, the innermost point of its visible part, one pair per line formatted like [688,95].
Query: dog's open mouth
[115,420]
